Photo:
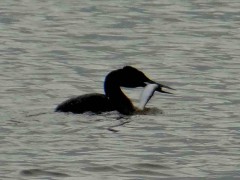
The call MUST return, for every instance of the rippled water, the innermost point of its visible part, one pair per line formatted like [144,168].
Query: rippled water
[52,50]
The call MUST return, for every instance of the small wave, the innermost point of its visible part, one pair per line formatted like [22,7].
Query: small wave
[39,172]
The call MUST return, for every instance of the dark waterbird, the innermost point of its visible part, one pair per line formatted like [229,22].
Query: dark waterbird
[114,98]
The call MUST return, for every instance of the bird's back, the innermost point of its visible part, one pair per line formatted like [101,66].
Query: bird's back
[94,102]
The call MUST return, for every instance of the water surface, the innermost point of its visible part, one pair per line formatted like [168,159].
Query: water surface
[52,50]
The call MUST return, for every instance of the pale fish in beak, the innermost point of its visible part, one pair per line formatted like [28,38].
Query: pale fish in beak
[146,95]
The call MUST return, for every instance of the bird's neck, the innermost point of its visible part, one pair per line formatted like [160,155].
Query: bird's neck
[113,91]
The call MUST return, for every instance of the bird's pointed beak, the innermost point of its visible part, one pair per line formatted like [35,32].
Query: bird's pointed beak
[160,87]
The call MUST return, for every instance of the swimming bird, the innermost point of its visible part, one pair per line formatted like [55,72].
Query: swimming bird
[114,98]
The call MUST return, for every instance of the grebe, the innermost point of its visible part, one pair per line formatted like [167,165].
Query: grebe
[114,98]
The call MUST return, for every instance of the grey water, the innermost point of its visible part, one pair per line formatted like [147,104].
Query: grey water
[53,50]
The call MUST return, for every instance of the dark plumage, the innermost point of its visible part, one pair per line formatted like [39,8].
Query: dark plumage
[114,98]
